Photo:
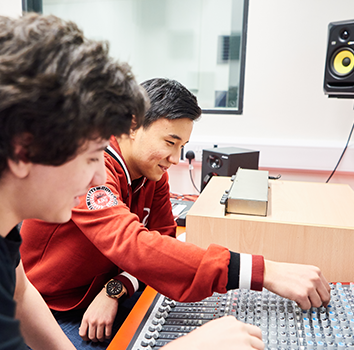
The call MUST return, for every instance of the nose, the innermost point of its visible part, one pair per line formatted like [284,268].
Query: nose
[174,157]
[100,176]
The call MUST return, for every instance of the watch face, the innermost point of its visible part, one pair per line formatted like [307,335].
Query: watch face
[114,287]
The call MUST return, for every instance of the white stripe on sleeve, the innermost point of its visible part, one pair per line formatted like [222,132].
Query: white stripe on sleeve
[132,279]
[245,271]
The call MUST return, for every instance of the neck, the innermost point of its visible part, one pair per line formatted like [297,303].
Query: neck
[9,213]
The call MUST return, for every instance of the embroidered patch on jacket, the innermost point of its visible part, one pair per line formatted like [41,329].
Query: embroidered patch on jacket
[100,197]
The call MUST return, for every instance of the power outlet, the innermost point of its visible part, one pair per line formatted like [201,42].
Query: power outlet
[197,148]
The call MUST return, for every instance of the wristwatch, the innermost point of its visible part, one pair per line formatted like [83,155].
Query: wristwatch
[115,289]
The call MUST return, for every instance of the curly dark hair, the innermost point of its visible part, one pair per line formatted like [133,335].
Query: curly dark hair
[169,99]
[59,89]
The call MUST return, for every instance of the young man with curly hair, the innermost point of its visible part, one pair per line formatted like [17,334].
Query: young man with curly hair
[61,98]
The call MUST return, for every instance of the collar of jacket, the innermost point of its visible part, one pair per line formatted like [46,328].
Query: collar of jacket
[113,153]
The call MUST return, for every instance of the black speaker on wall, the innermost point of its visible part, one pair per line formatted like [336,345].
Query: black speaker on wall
[339,67]
[224,161]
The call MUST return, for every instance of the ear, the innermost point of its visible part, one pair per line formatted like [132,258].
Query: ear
[19,168]
[135,125]
[133,128]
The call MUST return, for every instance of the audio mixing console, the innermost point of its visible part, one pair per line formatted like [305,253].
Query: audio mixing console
[283,324]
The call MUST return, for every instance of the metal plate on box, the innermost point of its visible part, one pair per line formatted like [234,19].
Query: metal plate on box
[248,193]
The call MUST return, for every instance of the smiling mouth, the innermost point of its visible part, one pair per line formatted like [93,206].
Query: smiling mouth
[164,168]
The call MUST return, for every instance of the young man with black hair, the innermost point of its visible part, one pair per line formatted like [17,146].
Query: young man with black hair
[126,228]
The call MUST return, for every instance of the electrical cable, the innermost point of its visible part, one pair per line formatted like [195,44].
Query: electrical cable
[190,174]
[274,177]
[190,155]
[345,148]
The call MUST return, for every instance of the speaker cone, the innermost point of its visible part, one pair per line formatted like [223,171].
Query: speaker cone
[214,162]
[343,62]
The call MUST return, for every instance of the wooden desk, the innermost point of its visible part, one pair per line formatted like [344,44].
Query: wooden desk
[310,223]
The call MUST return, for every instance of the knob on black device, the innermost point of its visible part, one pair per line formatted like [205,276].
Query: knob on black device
[339,67]
[224,161]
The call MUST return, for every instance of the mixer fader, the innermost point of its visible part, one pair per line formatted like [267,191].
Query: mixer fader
[283,324]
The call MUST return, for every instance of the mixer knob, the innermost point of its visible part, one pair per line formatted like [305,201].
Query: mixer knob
[320,345]
[167,308]
[283,335]
[347,330]
[318,336]
[315,321]
[151,335]
[144,343]
[310,344]
[334,322]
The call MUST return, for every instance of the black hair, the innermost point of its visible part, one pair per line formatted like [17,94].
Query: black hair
[169,99]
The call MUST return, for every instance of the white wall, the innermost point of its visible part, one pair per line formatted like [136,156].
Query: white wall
[286,114]
[11,8]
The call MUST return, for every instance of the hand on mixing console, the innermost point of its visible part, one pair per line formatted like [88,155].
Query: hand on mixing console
[223,333]
[304,284]
[97,322]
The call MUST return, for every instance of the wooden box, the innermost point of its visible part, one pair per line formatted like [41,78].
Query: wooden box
[310,223]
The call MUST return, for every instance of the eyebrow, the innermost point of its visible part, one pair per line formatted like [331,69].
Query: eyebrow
[174,136]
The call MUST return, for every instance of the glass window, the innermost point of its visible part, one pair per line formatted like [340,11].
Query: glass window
[200,43]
